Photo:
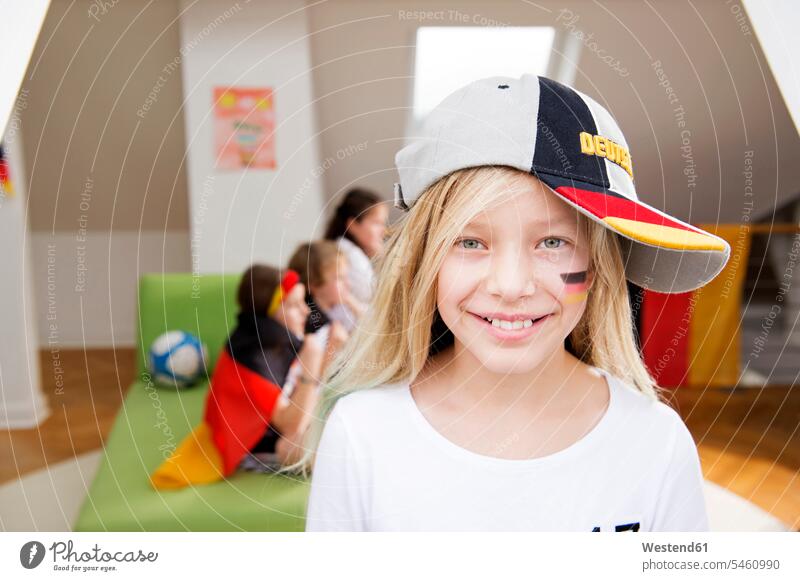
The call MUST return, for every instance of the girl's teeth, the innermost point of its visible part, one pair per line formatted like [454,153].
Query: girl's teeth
[509,325]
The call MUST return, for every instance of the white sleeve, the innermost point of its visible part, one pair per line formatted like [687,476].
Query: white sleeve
[681,506]
[296,368]
[291,381]
[335,500]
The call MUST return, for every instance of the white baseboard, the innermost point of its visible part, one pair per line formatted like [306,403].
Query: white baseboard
[24,415]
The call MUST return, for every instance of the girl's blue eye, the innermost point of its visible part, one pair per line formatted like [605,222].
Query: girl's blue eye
[553,243]
[469,244]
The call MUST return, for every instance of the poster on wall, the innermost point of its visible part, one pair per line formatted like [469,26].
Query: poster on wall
[244,128]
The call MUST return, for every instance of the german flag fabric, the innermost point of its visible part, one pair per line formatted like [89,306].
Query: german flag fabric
[693,339]
[5,174]
[242,395]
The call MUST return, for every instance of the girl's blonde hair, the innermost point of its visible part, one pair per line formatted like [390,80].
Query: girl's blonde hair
[402,329]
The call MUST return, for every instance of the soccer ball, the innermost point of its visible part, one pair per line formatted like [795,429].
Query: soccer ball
[177,359]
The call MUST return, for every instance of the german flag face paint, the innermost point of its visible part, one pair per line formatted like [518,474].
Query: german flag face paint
[576,286]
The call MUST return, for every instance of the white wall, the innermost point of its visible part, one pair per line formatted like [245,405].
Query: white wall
[93,154]
[87,283]
[22,404]
[775,22]
[19,28]
[238,217]
[106,184]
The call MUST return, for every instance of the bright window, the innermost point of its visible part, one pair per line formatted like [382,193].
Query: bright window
[452,56]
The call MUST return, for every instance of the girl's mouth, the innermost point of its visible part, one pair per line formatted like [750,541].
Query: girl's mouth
[511,330]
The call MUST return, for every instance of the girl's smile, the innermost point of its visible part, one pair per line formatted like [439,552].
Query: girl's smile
[511,327]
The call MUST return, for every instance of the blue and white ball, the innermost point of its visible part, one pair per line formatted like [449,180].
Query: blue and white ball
[177,359]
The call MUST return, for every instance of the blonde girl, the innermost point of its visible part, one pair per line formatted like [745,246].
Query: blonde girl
[495,383]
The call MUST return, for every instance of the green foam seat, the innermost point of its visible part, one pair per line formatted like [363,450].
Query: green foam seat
[154,420]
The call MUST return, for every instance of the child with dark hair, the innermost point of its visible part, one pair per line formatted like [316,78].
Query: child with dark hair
[358,226]
[249,416]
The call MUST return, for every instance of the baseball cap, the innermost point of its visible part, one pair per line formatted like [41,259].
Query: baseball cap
[573,145]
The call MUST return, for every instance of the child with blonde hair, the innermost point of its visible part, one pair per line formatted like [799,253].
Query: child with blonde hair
[495,382]
[322,270]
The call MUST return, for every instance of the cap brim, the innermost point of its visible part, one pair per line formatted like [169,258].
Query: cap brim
[661,253]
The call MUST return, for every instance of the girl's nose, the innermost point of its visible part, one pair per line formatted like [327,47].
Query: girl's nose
[511,275]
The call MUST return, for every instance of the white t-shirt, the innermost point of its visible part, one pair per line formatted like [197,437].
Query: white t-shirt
[361,274]
[361,282]
[381,466]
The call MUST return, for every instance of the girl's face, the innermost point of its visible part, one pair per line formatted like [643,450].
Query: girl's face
[514,284]
[370,231]
[335,288]
[293,310]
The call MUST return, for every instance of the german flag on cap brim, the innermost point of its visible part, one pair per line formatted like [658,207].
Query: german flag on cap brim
[662,253]
[665,243]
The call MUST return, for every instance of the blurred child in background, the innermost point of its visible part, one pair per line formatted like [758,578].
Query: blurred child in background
[358,226]
[322,269]
[249,419]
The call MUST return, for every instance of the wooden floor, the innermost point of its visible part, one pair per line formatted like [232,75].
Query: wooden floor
[81,415]
[749,439]
[749,443]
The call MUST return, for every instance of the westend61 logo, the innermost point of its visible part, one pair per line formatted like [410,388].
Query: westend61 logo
[65,558]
